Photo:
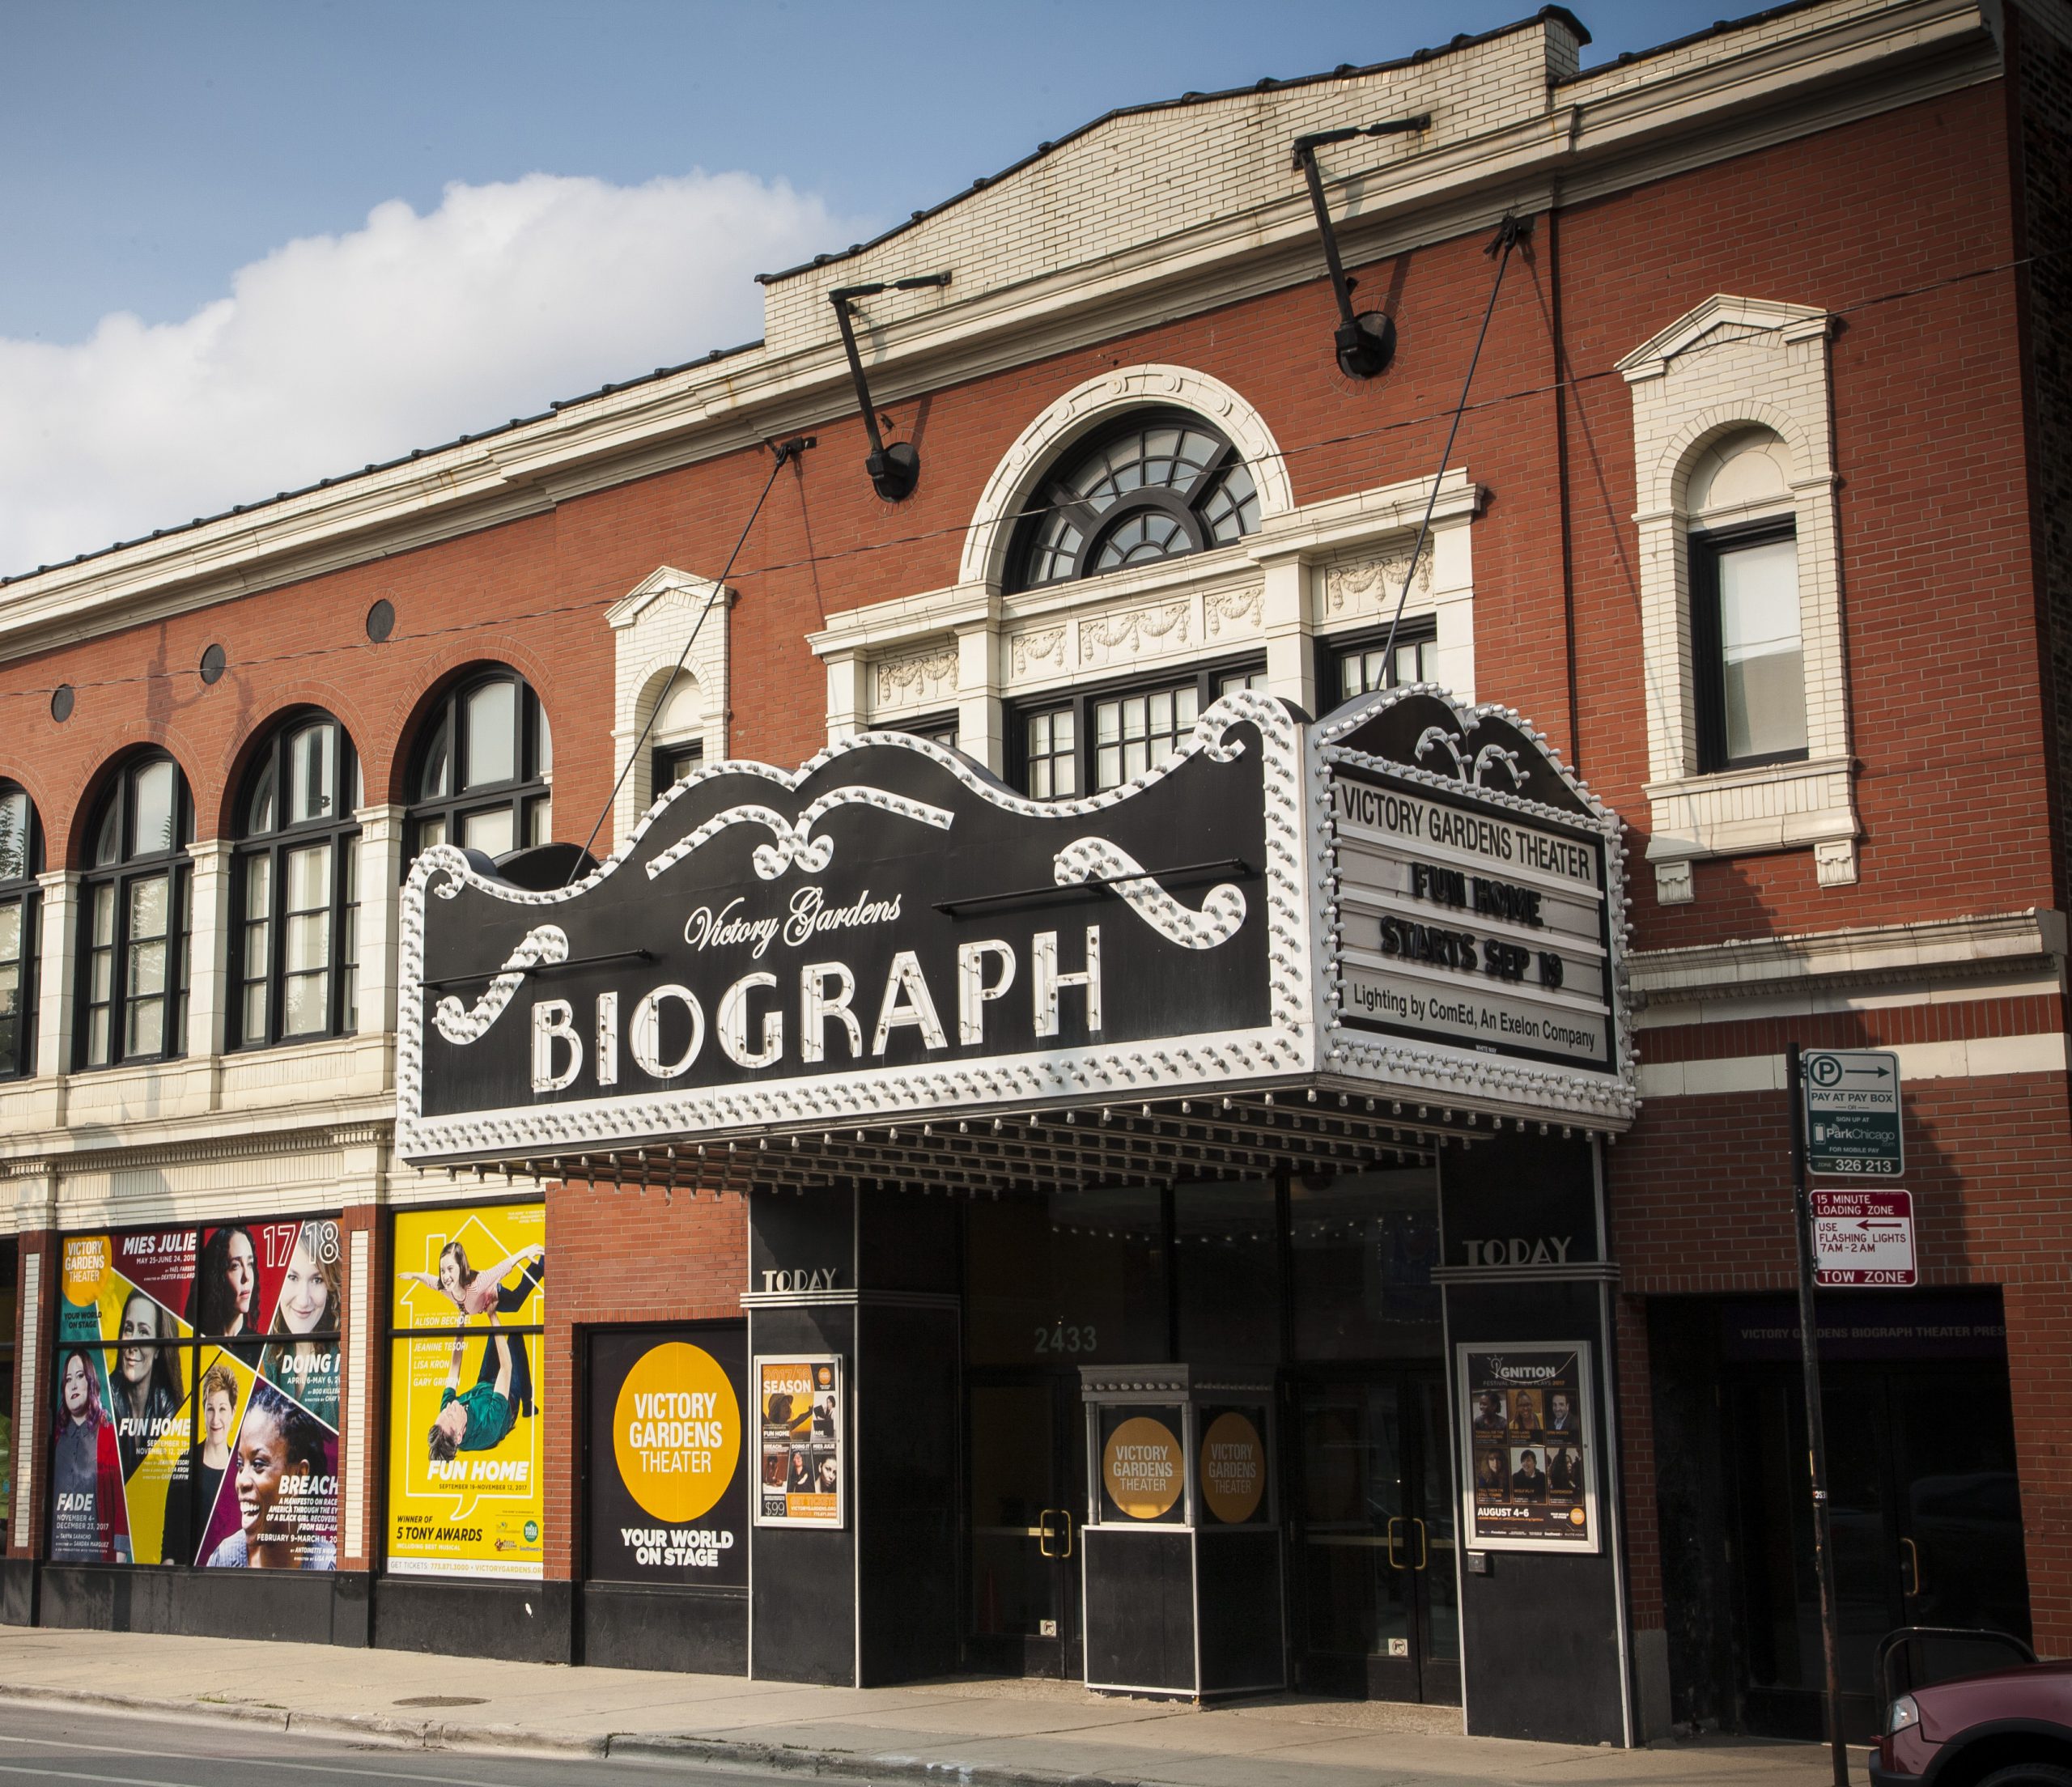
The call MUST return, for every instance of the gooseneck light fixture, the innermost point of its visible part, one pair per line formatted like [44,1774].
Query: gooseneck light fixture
[1365,341]
[896,470]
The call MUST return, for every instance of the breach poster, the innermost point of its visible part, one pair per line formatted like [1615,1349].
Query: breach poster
[465,1450]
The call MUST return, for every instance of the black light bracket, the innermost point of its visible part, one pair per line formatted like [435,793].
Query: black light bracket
[1365,341]
[896,470]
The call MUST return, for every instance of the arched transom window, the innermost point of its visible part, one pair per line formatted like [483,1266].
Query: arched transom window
[297,947]
[134,937]
[484,768]
[1155,485]
[21,856]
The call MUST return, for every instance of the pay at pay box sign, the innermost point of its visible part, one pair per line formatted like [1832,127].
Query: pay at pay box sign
[1864,1239]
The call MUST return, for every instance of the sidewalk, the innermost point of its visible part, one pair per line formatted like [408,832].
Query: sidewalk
[979,1733]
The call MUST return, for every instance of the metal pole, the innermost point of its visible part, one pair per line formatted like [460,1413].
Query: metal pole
[1816,1429]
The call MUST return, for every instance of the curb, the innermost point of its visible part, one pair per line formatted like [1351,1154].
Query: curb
[442,1734]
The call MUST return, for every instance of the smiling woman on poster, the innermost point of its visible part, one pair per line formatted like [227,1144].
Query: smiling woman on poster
[308,1303]
[88,1524]
[283,1474]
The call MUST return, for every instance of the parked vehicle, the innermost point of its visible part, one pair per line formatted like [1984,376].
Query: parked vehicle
[1999,1728]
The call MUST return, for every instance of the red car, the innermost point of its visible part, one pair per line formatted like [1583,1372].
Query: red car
[2011,1728]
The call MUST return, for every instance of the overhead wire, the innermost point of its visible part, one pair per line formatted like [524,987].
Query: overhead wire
[894,542]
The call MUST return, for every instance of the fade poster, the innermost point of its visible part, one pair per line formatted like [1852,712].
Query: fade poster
[466,1493]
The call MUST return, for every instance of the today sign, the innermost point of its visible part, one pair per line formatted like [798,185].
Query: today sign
[1863,1237]
[1852,1113]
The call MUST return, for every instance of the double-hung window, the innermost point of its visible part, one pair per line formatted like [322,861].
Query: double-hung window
[21,856]
[134,917]
[484,769]
[297,897]
[1749,660]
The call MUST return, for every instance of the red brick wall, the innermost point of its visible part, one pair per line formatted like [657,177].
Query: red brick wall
[1936,547]
[623,1256]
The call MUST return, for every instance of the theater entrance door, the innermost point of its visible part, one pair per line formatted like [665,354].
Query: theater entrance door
[1027,1476]
[1378,1608]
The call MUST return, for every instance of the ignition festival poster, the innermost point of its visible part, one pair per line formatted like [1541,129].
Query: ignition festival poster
[197,1390]
[1526,1428]
[465,1455]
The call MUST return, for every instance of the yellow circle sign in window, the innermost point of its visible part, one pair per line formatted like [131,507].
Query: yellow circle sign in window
[1141,1465]
[1233,1468]
[677,1432]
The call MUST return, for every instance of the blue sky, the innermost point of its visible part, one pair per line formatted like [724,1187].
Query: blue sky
[206,193]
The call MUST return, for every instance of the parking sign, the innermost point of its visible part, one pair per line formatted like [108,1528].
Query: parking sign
[1852,1113]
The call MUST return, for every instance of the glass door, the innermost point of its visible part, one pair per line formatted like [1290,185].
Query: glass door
[1374,1538]
[1027,1485]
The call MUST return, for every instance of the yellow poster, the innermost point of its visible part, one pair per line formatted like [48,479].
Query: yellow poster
[466,1450]
[799,1406]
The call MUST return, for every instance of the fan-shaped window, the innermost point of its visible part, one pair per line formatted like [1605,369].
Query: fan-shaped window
[1155,486]
[132,933]
[483,773]
[295,934]
[21,857]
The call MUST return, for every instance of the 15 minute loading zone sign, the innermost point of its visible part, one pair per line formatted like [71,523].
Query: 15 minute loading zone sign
[1852,1113]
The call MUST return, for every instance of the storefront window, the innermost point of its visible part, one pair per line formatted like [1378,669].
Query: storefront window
[1072,1278]
[1227,1256]
[1363,1245]
[196,1417]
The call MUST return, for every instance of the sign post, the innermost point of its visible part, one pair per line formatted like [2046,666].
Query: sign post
[1795,1073]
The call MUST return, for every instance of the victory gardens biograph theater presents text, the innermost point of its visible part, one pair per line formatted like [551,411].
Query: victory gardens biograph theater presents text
[944,993]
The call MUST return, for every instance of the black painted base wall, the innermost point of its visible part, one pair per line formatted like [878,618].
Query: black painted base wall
[1140,1610]
[622,1626]
[508,1622]
[290,1605]
[18,1590]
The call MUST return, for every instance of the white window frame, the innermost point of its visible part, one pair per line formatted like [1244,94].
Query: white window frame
[1731,364]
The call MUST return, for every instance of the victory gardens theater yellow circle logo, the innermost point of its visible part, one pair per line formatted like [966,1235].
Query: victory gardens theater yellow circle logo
[677,1432]
[1141,1462]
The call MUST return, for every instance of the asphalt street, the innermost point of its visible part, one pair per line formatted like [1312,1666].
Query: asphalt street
[104,1749]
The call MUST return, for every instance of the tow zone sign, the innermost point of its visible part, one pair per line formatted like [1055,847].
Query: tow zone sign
[1864,1237]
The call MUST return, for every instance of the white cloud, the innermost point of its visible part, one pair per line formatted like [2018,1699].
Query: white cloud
[335,350]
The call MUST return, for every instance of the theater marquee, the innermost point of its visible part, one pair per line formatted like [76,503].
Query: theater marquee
[1409,896]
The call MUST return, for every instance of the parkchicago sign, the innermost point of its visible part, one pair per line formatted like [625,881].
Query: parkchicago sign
[1410,895]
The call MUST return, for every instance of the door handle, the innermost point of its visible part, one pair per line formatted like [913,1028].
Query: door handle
[1044,1535]
[1913,1566]
[1395,1563]
[1064,1514]
[1424,1548]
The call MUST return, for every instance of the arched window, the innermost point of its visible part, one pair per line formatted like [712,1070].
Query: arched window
[133,931]
[1155,486]
[1748,661]
[295,929]
[482,775]
[21,858]
[676,743]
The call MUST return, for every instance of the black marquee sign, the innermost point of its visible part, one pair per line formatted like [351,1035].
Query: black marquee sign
[1408,896]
